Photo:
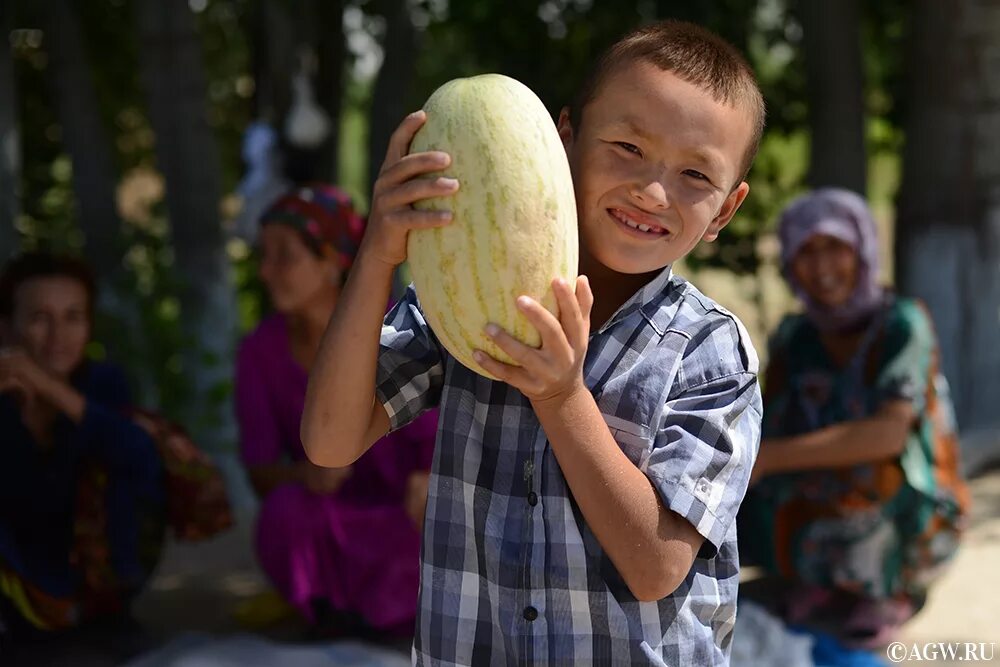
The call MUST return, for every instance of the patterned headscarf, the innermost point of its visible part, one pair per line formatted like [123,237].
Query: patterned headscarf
[326,218]
[843,215]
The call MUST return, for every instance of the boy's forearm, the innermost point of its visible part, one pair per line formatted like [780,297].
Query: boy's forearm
[341,391]
[652,547]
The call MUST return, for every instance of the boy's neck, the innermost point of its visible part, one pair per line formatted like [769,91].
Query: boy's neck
[611,289]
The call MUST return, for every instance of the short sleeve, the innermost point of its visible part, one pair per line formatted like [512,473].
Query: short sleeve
[260,435]
[907,352]
[704,451]
[410,370]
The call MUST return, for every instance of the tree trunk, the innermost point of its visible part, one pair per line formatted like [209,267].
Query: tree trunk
[189,159]
[948,226]
[10,144]
[273,61]
[94,179]
[393,85]
[331,50]
[831,41]
[392,93]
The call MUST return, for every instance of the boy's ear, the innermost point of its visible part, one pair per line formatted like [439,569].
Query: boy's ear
[565,128]
[728,210]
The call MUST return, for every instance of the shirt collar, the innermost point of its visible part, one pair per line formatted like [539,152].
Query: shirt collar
[647,299]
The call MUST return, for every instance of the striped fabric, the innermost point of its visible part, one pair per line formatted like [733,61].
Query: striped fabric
[510,572]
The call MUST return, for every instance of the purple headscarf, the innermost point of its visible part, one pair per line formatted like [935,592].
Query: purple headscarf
[843,215]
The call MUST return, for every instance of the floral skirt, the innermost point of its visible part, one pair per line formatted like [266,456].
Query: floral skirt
[862,530]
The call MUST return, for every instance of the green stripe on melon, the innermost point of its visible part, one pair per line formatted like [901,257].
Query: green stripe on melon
[514,226]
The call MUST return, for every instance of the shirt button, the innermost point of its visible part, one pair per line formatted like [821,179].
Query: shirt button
[530,613]
[532,498]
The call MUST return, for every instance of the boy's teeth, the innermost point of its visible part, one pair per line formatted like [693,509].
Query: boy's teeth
[634,225]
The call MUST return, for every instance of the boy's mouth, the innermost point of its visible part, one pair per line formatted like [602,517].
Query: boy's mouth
[635,228]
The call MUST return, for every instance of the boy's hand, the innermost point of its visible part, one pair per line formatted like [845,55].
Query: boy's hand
[555,370]
[399,186]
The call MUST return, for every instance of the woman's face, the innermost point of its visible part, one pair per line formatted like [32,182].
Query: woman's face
[51,321]
[293,275]
[827,270]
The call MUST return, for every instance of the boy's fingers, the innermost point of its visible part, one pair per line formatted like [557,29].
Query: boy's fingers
[584,296]
[412,219]
[517,350]
[569,311]
[399,142]
[550,329]
[409,167]
[512,375]
[415,190]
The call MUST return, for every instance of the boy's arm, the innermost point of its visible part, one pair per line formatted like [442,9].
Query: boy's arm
[342,417]
[651,547]
[652,523]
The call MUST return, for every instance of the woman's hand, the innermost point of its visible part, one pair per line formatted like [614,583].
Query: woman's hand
[20,374]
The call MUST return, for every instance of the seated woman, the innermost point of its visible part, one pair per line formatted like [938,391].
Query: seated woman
[859,499]
[82,495]
[341,545]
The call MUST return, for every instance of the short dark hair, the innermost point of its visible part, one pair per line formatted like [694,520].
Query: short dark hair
[692,53]
[41,264]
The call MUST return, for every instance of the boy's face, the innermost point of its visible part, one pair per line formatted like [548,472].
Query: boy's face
[654,151]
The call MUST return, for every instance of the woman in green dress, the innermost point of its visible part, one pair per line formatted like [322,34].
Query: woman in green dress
[858,497]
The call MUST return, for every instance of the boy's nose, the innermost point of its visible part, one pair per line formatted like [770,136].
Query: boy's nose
[652,194]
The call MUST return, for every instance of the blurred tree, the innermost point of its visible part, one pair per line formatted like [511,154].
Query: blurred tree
[393,91]
[272,59]
[948,229]
[188,156]
[287,36]
[834,93]
[94,174]
[10,148]
[550,46]
[327,35]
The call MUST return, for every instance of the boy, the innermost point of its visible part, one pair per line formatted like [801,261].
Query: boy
[582,510]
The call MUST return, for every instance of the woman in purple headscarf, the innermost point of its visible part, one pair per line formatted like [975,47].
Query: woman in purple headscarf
[342,545]
[858,498]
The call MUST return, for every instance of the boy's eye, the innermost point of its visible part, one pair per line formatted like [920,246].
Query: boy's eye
[631,148]
[697,175]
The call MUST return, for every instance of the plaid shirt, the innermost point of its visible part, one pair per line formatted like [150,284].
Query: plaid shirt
[511,574]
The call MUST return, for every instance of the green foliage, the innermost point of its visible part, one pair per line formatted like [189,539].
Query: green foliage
[48,218]
[550,46]
[547,44]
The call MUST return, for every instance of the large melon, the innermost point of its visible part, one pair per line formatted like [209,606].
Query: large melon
[514,227]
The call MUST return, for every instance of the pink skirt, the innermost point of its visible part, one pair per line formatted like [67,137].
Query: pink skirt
[362,559]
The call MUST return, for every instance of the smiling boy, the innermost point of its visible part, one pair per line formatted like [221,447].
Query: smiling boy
[581,510]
